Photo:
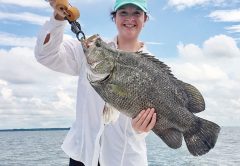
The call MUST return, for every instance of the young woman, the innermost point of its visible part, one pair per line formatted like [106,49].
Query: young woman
[90,141]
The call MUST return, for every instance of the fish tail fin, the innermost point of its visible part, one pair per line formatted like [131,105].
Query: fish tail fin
[202,138]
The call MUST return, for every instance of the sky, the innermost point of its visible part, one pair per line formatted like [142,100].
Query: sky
[198,39]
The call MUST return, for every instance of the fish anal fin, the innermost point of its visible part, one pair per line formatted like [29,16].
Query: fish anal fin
[172,137]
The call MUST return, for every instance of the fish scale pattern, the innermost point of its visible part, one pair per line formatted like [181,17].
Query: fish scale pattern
[138,81]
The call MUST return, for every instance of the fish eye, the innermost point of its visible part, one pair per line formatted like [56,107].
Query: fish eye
[98,44]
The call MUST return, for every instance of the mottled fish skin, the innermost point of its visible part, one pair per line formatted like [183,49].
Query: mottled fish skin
[132,82]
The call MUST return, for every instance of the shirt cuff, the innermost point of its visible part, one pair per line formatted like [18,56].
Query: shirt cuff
[138,135]
[57,23]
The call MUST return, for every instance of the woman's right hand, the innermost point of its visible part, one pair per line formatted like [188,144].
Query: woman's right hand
[58,15]
[145,121]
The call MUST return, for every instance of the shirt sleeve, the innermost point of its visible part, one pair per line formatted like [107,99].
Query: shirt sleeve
[65,56]
[134,134]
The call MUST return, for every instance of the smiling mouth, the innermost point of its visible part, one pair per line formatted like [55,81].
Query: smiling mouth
[129,25]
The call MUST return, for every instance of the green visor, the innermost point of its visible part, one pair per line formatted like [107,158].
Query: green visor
[142,4]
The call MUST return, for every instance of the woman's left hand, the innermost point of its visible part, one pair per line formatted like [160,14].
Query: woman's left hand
[145,121]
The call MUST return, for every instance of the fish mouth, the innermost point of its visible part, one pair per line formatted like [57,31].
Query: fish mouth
[89,41]
[86,45]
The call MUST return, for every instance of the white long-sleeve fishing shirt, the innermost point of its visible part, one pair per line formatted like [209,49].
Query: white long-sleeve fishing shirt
[89,140]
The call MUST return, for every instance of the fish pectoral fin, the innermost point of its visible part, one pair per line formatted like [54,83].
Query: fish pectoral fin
[172,137]
[110,114]
[195,99]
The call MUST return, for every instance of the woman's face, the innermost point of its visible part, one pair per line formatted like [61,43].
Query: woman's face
[129,21]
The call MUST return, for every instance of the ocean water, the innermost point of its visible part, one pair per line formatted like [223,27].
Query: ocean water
[42,148]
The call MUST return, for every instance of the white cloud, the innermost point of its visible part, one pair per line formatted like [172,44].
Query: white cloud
[7,39]
[226,15]
[236,102]
[6,93]
[182,4]
[214,70]
[233,28]
[2,82]
[92,1]
[200,72]
[190,51]
[26,3]
[215,47]
[232,16]
[31,94]
[221,46]
[24,16]
[35,96]
[64,100]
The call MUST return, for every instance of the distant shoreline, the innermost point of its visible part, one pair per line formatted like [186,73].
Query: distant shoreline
[34,129]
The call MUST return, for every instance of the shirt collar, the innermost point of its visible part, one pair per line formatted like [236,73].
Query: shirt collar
[142,49]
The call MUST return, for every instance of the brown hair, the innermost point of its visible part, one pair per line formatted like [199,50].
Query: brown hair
[113,15]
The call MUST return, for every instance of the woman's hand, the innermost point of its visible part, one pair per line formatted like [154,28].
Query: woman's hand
[145,121]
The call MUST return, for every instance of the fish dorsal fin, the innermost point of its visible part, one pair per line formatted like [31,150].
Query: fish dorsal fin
[161,65]
[196,101]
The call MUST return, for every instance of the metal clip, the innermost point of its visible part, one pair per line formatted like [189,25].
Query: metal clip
[76,28]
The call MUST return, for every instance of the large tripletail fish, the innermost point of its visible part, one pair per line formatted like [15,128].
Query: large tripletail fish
[131,82]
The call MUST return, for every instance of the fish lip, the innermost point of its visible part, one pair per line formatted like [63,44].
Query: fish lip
[90,40]
[86,44]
